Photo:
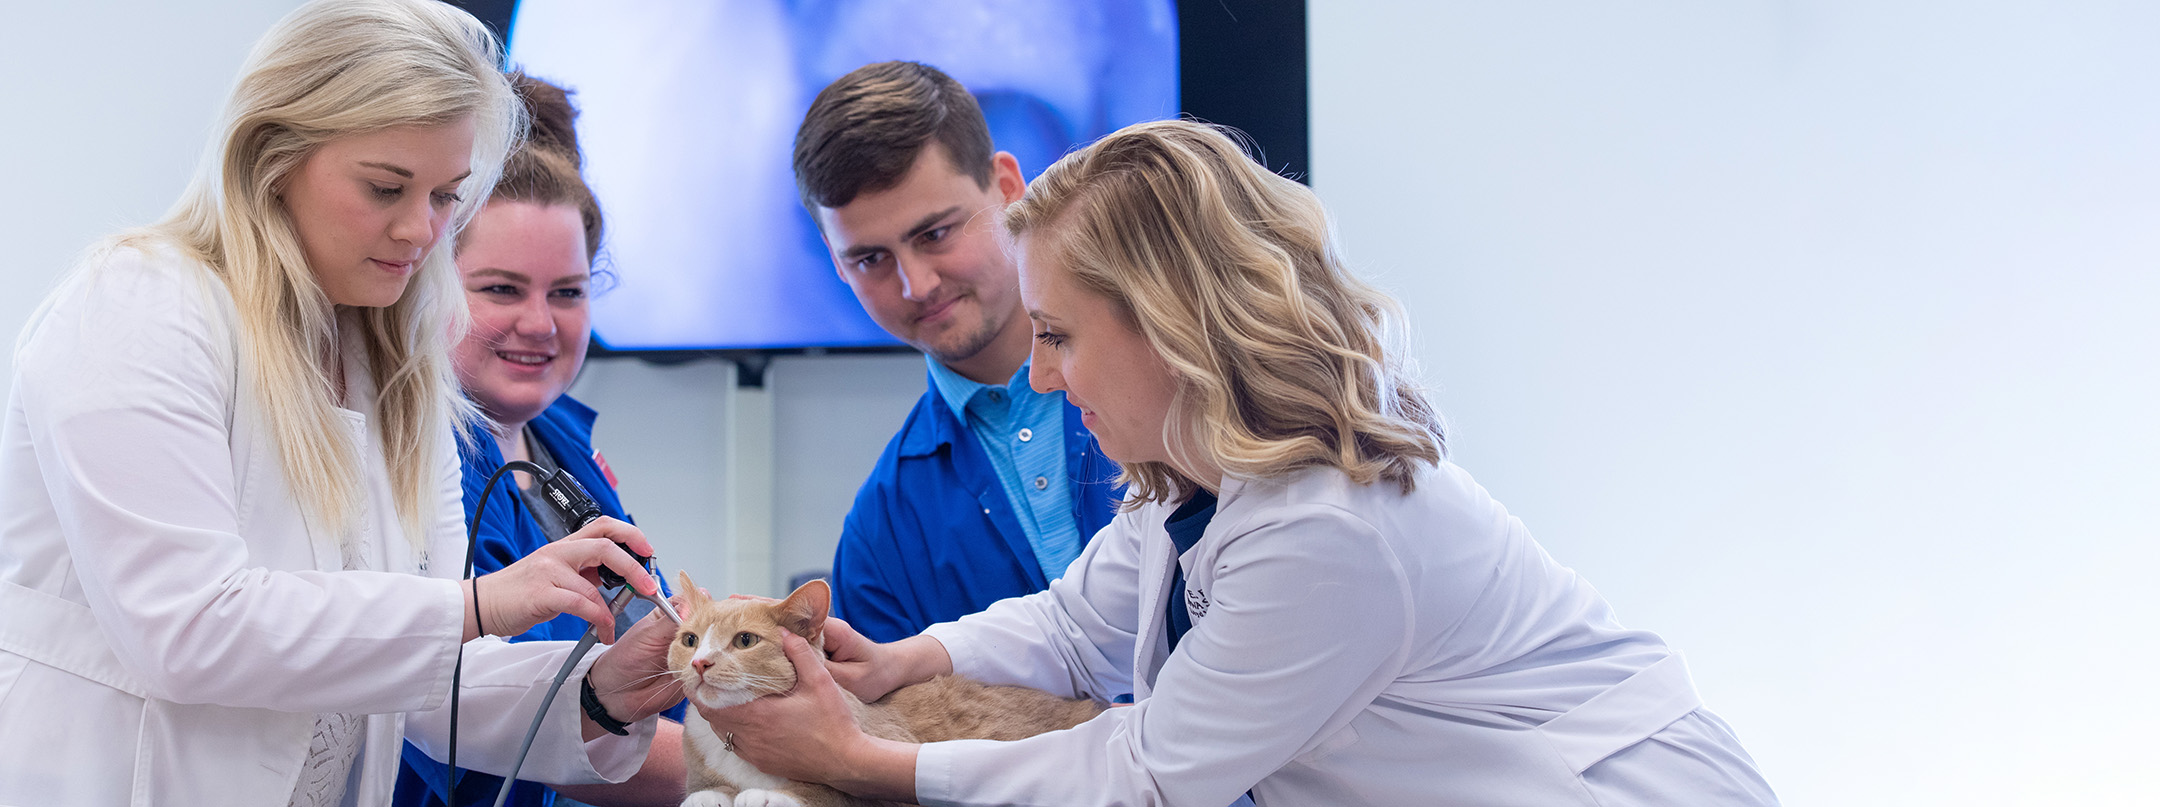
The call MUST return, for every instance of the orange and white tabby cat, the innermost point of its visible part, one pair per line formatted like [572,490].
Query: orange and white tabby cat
[728,653]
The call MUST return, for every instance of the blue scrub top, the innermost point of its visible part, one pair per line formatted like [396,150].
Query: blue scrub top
[508,534]
[932,536]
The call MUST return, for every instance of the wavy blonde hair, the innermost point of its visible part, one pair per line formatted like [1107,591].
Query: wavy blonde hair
[1284,360]
[334,69]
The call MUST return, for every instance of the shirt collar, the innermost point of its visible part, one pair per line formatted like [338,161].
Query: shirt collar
[957,390]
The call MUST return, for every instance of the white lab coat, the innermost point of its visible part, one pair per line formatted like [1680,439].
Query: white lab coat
[1350,645]
[169,625]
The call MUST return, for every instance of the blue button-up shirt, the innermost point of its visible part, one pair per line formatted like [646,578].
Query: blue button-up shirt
[933,536]
[1022,432]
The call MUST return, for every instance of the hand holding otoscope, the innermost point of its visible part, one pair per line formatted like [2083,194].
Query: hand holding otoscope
[560,577]
[576,507]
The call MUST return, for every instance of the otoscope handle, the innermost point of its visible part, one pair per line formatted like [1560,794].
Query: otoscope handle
[610,579]
[577,508]
[570,500]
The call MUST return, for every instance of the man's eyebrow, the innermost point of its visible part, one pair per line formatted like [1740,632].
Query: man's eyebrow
[927,222]
[922,225]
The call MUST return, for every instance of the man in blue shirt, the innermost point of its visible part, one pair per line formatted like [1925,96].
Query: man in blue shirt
[990,489]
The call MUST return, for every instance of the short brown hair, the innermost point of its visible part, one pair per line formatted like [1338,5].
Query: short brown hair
[864,131]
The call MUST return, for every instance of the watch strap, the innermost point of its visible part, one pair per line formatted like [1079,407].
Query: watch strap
[591,701]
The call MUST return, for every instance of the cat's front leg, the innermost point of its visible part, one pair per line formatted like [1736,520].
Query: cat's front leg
[765,798]
[709,798]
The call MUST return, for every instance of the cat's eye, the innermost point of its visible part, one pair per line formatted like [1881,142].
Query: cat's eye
[689,640]
[745,639]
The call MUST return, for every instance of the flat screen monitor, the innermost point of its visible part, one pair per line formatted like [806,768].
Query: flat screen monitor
[689,110]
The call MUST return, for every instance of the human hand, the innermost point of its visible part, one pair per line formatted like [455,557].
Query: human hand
[854,662]
[801,734]
[632,678]
[559,578]
[872,670]
[626,534]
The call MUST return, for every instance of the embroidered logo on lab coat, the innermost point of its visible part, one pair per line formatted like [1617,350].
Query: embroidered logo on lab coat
[1196,601]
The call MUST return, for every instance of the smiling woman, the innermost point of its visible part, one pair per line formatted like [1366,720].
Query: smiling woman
[526,265]
[526,281]
[1122,386]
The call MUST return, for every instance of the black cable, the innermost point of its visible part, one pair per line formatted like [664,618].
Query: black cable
[576,508]
[472,543]
[584,644]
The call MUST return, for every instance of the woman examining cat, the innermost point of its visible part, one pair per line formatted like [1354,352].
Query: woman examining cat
[229,565]
[1305,599]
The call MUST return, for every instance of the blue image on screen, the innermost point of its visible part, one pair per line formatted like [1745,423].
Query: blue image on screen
[689,110]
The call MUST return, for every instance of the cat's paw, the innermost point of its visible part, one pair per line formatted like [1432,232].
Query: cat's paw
[765,798]
[708,798]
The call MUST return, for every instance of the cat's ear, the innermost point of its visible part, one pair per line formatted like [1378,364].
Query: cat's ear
[687,588]
[803,612]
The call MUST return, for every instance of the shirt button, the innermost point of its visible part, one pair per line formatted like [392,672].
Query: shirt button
[1042,482]
[1026,435]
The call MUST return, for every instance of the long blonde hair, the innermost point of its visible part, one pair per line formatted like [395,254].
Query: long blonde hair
[1284,360]
[333,69]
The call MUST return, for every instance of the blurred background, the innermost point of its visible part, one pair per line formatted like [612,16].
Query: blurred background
[1818,334]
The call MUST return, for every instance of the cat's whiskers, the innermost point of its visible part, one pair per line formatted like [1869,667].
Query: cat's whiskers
[634,682]
[656,695]
[765,683]
[722,688]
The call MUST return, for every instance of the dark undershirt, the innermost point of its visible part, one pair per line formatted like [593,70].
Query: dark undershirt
[1185,526]
[551,525]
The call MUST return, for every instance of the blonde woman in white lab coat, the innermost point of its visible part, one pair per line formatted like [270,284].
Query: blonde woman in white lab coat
[230,557]
[1304,599]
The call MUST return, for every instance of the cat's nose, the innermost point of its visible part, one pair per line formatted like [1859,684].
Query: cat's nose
[700,665]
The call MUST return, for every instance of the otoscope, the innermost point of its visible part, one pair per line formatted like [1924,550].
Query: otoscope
[576,508]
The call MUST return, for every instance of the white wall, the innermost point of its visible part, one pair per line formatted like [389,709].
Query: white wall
[665,432]
[1815,333]
[105,107]
[1819,335]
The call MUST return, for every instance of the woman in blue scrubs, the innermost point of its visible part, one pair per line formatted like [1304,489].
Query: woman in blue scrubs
[526,266]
